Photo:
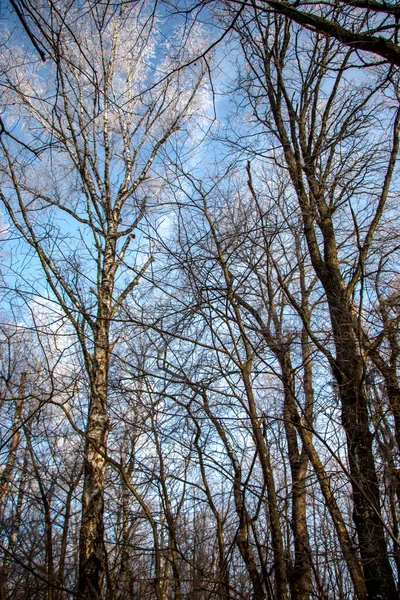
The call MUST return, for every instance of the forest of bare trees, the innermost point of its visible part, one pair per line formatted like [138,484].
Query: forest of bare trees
[200,300]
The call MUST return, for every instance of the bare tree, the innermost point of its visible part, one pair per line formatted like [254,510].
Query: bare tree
[209,407]
[311,143]
[100,141]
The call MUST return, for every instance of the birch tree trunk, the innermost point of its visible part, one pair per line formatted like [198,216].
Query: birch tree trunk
[102,135]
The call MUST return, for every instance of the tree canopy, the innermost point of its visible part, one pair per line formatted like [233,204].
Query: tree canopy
[200,300]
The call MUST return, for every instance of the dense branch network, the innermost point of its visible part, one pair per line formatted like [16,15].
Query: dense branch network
[199,342]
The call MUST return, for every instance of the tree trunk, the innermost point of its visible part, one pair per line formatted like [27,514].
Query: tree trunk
[349,373]
[12,540]
[7,474]
[92,552]
[242,535]
[300,576]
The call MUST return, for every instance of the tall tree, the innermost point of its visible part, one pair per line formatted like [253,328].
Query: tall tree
[318,127]
[101,121]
